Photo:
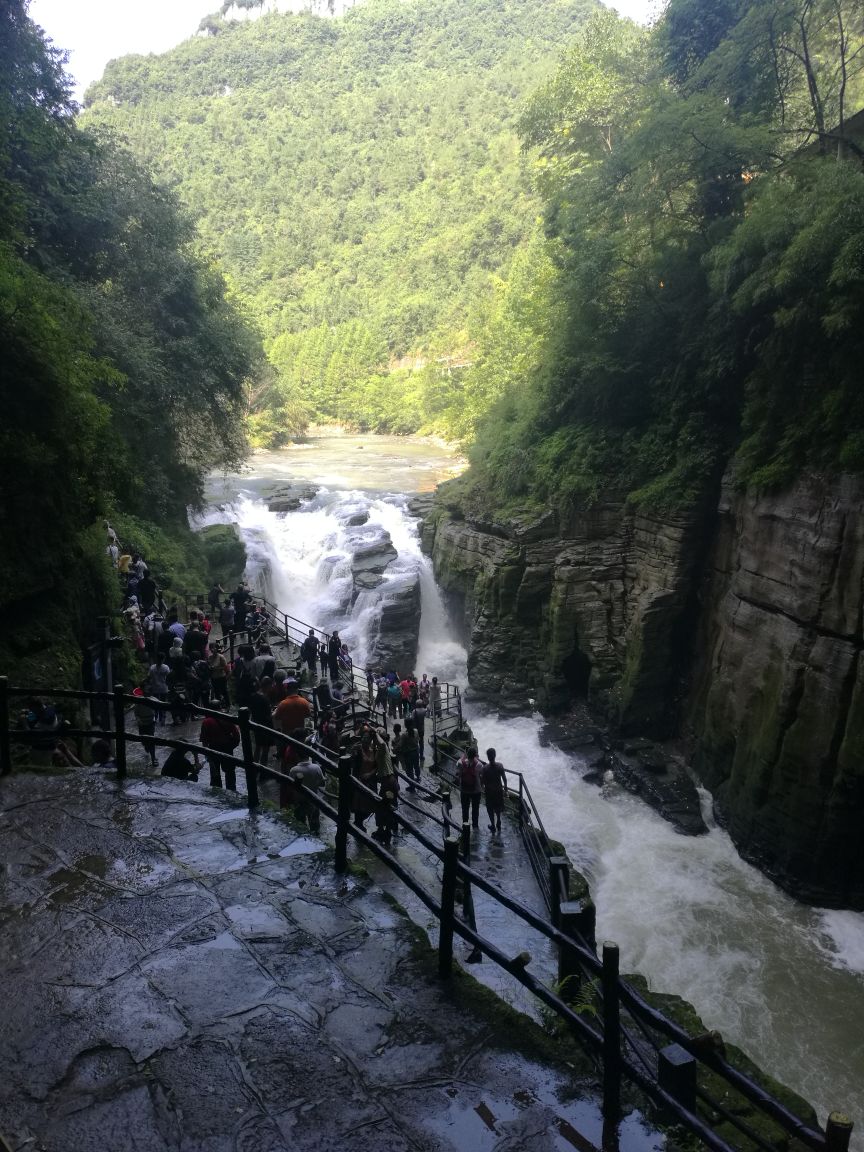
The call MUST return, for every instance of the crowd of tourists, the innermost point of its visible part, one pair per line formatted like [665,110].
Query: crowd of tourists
[303,709]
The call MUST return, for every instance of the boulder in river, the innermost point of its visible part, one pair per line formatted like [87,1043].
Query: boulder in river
[357,519]
[372,555]
[290,499]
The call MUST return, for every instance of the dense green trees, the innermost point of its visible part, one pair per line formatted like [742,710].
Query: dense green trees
[124,365]
[361,181]
[703,189]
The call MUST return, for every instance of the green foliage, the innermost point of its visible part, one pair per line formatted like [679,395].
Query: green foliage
[224,554]
[125,365]
[707,291]
[360,179]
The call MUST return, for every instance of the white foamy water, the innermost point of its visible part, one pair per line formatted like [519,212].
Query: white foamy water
[783,981]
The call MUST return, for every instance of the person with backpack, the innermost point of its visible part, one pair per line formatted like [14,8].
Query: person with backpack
[220,736]
[244,676]
[494,780]
[470,787]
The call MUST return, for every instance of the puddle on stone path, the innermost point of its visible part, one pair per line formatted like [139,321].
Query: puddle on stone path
[577,1124]
[234,814]
[303,845]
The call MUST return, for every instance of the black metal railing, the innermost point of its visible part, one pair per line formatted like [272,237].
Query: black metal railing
[626,1035]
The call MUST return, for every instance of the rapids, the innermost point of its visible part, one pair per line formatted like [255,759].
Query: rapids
[783,981]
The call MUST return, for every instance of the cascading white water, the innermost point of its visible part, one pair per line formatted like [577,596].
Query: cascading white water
[783,981]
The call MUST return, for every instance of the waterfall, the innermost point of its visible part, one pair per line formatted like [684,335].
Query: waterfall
[781,980]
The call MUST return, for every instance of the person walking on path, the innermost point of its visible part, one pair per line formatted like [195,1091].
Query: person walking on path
[410,748]
[494,780]
[386,825]
[418,716]
[214,599]
[470,786]
[365,768]
[334,647]
[227,616]
[260,712]
[435,697]
[292,712]
[145,714]
[220,736]
[219,677]
[309,653]
[394,700]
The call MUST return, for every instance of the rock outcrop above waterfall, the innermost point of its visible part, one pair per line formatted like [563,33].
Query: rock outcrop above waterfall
[395,645]
[396,625]
[739,625]
[372,554]
[290,499]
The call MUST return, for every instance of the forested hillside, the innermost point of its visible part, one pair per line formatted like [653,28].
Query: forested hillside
[361,180]
[701,296]
[125,368]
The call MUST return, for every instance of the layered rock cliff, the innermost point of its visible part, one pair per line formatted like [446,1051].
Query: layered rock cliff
[740,624]
[778,699]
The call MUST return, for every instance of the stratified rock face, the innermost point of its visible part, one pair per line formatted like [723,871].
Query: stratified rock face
[752,612]
[779,704]
[395,645]
[372,555]
[555,610]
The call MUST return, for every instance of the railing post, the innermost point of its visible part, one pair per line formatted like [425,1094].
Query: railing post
[435,763]
[466,842]
[448,904]
[611,1032]
[459,706]
[285,621]
[838,1132]
[5,746]
[231,645]
[676,1074]
[120,731]
[559,886]
[521,800]
[248,758]
[344,813]
[575,918]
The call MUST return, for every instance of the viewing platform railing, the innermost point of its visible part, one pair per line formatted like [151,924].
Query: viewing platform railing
[628,1037]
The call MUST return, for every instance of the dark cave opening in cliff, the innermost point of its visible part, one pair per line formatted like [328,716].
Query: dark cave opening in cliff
[576,670]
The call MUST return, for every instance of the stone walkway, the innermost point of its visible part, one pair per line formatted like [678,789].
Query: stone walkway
[178,976]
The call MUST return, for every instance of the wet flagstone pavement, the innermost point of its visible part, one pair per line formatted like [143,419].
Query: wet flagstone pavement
[179,976]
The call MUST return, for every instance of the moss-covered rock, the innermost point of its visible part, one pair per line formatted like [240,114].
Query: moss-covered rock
[224,554]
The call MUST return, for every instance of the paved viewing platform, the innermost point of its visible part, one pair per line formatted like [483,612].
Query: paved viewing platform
[178,975]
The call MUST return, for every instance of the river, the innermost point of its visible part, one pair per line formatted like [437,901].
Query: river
[782,980]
